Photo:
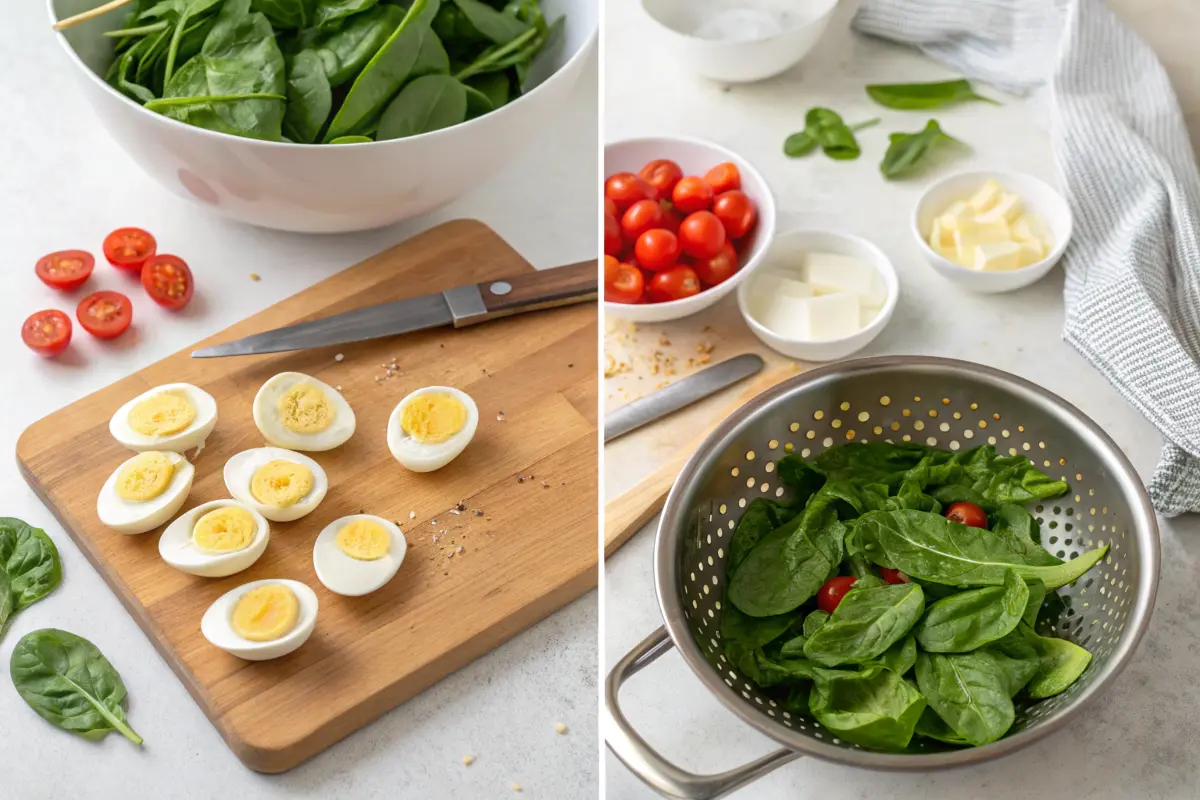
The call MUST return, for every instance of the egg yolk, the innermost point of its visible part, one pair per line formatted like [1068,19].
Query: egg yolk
[224,530]
[281,483]
[364,539]
[144,477]
[162,414]
[433,418]
[304,408]
[266,613]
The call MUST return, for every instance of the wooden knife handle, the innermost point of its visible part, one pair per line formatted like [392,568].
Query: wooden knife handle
[625,515]
[548,288]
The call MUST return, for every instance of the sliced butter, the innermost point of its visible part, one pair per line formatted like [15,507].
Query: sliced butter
[1031,252]
[985,198]
[997,257]
[1007,209]
[950,217]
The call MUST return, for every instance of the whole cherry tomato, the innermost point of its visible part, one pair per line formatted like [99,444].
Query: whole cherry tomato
[641,217]
[675,283]
[968,514]
[736,212]
[612,235]
[701,235]
[832,592]
[625,284]
[692,194]
[892,575]
[719,268]
[723,178]
[610,207]
[611,265]
[662,174]
[625,189]
[657,249]
[671,218]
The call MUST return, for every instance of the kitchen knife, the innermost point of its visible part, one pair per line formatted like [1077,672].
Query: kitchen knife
[460,307]
[707,381]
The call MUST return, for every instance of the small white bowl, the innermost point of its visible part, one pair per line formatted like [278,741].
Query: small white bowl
[1039,198]
[776,35]
[695,157]
[789,250]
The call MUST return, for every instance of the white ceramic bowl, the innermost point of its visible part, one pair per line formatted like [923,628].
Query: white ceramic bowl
[787,253]
[1038,196]
[754,44]
[695,157]
[324,188]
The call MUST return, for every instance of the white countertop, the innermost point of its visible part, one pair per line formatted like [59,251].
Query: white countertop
[1142,738]
[64,184]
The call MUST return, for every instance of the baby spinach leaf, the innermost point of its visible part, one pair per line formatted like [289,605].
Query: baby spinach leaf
[866,623]
[387,71]
[969,692]
[1037,595]
[309,98]
[768,672]
[871,462]
[429,103]
[930,547]
[494,26]
[814,622]
[187,11]
[478,103]
[515,53]
[760,518]
[968,620]
[495,86]
[825,128]
[906,150]
[70,684]
[801,477]
[873,707]
[917,96]
[6,601]
[793,648]
[931,726]
[30,561]
[901,656]
[327,12]
[352,140]
[957,493]
[1059,662]
[743,637]
[286,14]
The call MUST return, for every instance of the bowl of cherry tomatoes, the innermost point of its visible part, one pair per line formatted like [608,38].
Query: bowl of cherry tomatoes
[685,221]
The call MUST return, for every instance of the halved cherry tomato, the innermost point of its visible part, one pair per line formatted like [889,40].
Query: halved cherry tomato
[168,281]
[66,269]
[723,178]
[47,333]
[105,315]
[625,286]
[641,217]
[128,248]
[612,235]
[892,575]
[736,212]
[657,249]
[719,268]
[662,174]
[611,265]
[675,283]
[610,207]
[832,592]
[692,194]
[701,235]
[967,514]
[625,189]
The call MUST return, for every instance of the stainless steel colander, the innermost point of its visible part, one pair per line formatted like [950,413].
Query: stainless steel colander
[941,402]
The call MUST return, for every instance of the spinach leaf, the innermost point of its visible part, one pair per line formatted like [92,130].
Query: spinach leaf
[801,477]
[429,103]
[742,637]
[489,24]
[906,150]
[1037,595]
[478,103]
[916,96]
[30,560]
[1009,479]
[327,12]
[186,11]
[930,547]
[309,98]
[70,684]
[825,128]
[874,707]
[793,648]
[1019,524]
[968,620]
[866,623]
[789,564]
[515,53]
[931,726]
[901,656]
[1059,662]
[285,14]
[768,672]
[760,518]
[957,493]
[872,462]
[969,692]
[814,622]
[387,71]
[494,86]
[6,601]
[352,140]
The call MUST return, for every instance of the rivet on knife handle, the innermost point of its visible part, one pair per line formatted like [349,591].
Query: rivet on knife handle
[548,288]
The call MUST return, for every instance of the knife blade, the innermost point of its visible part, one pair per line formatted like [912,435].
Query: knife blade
[460,307]
[691,389]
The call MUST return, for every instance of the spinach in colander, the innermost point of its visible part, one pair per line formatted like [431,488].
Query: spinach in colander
[863,601]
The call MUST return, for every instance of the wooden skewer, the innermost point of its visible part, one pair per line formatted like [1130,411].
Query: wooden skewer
[112,5]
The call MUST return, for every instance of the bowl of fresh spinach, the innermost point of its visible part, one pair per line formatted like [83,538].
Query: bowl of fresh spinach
[327,115]
[898,563]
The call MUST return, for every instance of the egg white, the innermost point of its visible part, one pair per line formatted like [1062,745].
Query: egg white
[191,437]
[425,457]
[217,623]
[266,415]
[352,577]
[127,516]
[176,548]
[239,473]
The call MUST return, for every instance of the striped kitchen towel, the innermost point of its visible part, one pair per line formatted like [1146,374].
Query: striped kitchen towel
[1133,267]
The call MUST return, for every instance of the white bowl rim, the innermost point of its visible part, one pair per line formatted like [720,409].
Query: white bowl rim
[1052,257]
[873,327]
[584,49]
[745,269]
[830,5]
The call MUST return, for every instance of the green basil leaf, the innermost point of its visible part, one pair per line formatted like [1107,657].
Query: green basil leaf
[799,144]
[906,150]
[825,128]
[969,691]
[873,707]
[866,623]
[968,620]
[917,96]
[31,562]
[429,103]
[70,684]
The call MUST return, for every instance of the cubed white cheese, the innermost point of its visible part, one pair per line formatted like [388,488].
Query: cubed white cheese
[1007,209]
[787,316]
[1031,252]
[985,197]
[1020,229]
[942,240]
[832,273]
[867,314]
[779,283]
[950,217]
[833,316]
[997,256]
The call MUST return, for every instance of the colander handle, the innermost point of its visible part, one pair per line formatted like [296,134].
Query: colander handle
[642,760]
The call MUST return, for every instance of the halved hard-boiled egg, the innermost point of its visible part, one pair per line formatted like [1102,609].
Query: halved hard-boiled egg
[358,554]
[299,412]
[430,427]
[215,539]
[145,491]
[261,620]
[279,484]
[176,417]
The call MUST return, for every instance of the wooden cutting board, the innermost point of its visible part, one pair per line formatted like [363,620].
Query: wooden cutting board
[531,474]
